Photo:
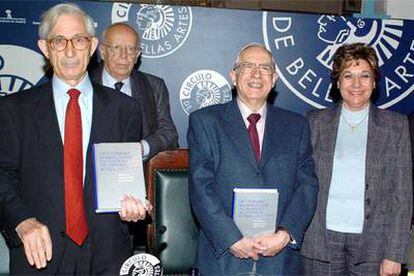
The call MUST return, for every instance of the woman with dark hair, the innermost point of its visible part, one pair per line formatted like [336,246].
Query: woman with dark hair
[363,162]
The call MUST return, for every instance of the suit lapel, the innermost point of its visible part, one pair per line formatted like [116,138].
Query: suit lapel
[45,119]
[101,115]
[272,136]
[376,141]
[236,130]
[96,75]
[137,86]
[141,90]
[328,134]
[101,124]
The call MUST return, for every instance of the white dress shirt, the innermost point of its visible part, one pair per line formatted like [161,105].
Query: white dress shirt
[61,99]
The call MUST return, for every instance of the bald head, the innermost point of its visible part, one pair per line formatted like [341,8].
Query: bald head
[119,27]
[119,50]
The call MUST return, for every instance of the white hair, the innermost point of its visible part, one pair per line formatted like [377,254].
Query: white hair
[50,17]
[251,45]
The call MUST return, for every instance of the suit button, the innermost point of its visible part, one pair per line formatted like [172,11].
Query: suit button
[366,187]
[62,234]
[368,201]
[367,217]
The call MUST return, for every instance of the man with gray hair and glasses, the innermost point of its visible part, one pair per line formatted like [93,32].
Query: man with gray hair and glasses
[247,144]
[46,180]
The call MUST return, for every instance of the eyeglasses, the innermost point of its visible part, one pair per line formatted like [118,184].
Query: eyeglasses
[249,67]
[116,49]
[59,43]
[363,77]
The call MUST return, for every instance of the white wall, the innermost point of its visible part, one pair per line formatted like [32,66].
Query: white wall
[401,9]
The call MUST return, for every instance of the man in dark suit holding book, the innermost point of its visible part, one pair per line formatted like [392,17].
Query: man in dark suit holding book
[248,143]
[46,179]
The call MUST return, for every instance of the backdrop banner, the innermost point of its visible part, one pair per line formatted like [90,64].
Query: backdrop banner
[193,50]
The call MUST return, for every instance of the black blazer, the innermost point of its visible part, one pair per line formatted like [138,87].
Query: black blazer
[151,95]
[31,172]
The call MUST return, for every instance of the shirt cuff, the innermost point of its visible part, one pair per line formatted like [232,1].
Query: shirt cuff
[292,239]
[146,149]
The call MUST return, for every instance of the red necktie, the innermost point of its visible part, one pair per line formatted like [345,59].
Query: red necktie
[76,226]
[253,135]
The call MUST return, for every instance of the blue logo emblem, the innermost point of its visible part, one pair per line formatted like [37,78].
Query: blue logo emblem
[203,88]
[162,28]
[13,76]
[141,264]
[303,46]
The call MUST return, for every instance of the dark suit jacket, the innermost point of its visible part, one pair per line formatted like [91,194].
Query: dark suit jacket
[31,172]
[221,158]
[388,185]
[152,97]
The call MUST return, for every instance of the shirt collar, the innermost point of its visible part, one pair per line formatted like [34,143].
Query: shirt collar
[109,81]
[246,111]
[60,88]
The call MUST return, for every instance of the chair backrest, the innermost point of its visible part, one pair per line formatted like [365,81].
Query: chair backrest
[4,257]
[172,236]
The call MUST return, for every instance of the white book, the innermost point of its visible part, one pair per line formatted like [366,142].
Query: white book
[118,170]
[255,210]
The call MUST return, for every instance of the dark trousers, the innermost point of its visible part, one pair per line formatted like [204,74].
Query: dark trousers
[79,260]
[343,251]
[76,260]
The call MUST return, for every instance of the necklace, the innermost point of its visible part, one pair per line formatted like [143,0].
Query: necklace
[354,127]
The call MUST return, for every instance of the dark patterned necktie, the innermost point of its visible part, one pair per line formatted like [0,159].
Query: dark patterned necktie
[253,135]
[76,225]
[118,85]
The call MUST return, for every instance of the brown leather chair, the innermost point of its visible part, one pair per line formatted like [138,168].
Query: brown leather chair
[172,235]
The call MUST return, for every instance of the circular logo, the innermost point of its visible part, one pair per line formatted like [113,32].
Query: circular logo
[162,28]
[204,88]
[141,264]
[303,46]
[13,76]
